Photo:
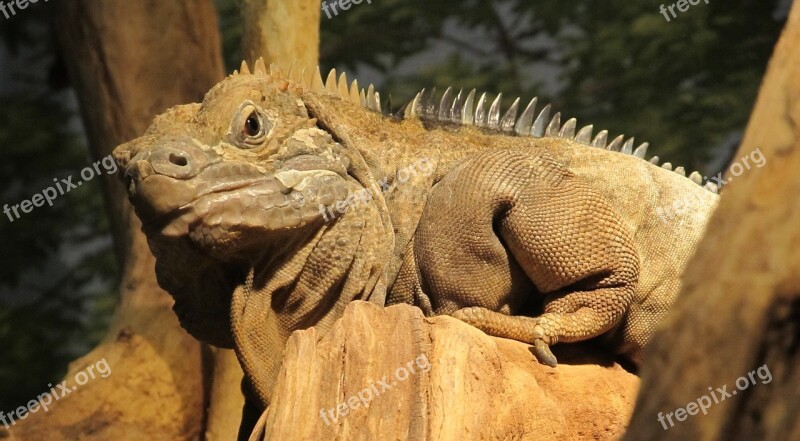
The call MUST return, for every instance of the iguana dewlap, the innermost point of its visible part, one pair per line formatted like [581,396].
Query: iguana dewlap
[253,203]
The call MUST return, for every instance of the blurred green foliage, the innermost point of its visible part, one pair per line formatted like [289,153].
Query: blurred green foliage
[686,86]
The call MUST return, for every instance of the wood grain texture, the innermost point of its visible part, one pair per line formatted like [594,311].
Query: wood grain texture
[446,381]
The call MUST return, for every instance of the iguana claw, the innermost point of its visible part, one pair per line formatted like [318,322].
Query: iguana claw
[543,353]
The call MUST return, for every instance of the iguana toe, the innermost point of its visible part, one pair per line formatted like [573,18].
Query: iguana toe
[525,329]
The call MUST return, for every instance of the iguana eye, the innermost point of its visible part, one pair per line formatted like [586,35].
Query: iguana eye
[252,126]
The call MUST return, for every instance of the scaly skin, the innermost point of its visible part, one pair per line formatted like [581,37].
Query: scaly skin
[539,239]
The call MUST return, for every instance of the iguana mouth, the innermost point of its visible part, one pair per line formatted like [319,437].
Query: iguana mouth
[230,187]
[241,213]
[159,222]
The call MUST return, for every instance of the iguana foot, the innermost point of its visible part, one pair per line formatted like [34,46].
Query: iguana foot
[525,329]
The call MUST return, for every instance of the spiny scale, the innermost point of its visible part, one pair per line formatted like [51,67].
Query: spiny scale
[493,120]
[584,135]
[540,125]
[555,124]
[445,105]
[467,115]
[627,148]
[480,111]
[523,126]
[354,96]
[510,118]
[260,68]
[455,108]
[641,151]
[461,109]
[429,104]
[616,144]
[600,140]
[568,131]
[342,88]
[275,71]
[302,79]
[330,83]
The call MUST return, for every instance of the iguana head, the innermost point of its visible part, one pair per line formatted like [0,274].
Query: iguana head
[226,182]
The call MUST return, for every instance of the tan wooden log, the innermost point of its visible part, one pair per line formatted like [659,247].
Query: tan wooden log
[393,374]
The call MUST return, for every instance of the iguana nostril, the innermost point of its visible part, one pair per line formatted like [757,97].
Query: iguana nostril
[178,160]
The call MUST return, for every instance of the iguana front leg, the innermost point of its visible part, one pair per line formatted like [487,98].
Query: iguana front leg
[564,236]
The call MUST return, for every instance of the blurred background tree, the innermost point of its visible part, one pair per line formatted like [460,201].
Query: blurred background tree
[686,86]
[58,273]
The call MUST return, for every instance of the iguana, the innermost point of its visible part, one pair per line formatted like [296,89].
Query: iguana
[254,205]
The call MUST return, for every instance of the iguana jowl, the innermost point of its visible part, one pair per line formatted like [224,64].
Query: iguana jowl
[519,226]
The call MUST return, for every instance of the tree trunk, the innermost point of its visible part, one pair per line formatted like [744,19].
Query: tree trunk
[390,373]
[128,62]
[736,326]
[282,31]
